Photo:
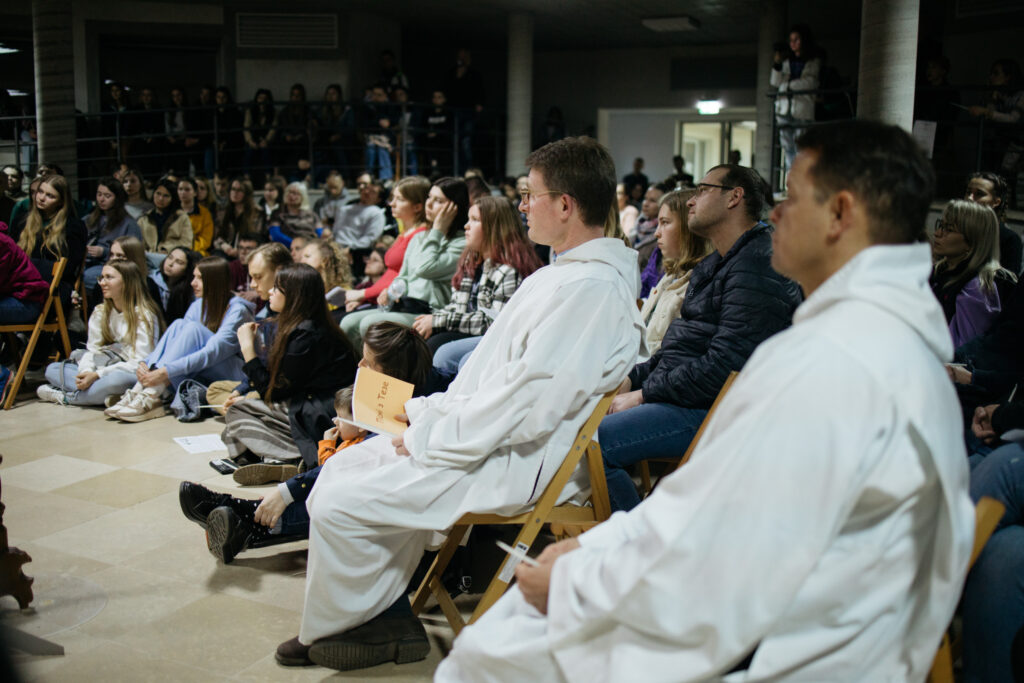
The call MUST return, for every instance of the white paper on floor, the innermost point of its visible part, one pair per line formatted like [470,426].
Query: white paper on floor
[201,443]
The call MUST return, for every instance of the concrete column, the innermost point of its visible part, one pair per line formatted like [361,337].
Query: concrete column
[771,30]
[52,39]
[888,61]
[520,92]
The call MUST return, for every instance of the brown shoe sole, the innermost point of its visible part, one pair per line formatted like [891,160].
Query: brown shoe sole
[346,656]
[254,475]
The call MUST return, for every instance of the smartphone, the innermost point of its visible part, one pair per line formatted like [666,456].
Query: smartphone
[223,465]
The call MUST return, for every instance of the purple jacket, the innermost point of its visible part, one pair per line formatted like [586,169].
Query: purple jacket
[19,278]
[976,311]
[651,276]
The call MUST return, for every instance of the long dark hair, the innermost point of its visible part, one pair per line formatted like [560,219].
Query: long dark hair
[303,290]
[456,190]
[217,292]
[180,295]
[117,212]
[399,351]
[504,242]
[234,224]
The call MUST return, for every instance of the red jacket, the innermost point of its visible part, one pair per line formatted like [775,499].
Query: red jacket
[18,277]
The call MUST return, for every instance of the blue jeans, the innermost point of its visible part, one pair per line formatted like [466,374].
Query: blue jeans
[378,160]
[993,600]
[450,357]
[15,311]
[649,430]
[183,338]
[62,376]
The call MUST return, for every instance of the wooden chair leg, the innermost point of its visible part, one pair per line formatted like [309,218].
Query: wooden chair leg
[499,584]
[63,325]
[432,583]
[26,356]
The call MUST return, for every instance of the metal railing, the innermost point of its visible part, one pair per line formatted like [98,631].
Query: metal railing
[214,141]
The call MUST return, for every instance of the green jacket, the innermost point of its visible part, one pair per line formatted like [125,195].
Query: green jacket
[429,265]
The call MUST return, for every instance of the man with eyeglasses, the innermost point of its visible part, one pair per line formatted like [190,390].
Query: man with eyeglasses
[494,440]
[821,530]
[734,301]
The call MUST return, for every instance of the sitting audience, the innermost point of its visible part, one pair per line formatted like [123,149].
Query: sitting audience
[423,283]
[22,289]
[734,301]
[408,202]
[247,243]
[496,260]
[294,219]
[331,261]
[333,200]
[358,226]
[174,282]
[647,223]
[967,279]
[682,250]
[308,360]
[270,203]
[991,190]
[198,215]
[242,217]
[281,515]
[202,345]
[136,204]
[166,226]
[628,213]
[122,331]
[108,221]
[130,249]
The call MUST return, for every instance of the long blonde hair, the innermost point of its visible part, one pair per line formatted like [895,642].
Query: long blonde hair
[137,304]
[980,227]
[54,233]
[695,247]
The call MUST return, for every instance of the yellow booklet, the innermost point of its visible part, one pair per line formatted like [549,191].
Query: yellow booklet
[377,399]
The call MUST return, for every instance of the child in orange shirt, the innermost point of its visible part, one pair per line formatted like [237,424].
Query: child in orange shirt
[347,432]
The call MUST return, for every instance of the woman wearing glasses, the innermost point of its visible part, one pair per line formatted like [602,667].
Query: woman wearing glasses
[967,279]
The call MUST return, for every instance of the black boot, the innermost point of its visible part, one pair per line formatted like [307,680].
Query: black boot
[197,502]
[231,529]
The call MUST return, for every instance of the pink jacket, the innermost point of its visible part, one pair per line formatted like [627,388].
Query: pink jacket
[18,276]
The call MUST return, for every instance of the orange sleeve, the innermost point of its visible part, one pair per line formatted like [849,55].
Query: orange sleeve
[325,450]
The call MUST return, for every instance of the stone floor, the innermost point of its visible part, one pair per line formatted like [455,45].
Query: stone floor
[123,581]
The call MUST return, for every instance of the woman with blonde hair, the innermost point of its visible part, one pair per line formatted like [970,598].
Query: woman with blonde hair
[122,332]
[294,218]
[682,250]
[967,279]
[51,231]
[331,261]
[496,260]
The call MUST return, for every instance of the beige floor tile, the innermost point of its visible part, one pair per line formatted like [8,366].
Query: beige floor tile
[113,663]
[219,633]
[176,463]
[34,514]
[51,561]
[53,472]
[120,488]
[75,644]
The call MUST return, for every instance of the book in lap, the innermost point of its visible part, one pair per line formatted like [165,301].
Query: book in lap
[377,399]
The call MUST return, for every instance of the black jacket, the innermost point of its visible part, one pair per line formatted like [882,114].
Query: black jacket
[733,303]
[315,365]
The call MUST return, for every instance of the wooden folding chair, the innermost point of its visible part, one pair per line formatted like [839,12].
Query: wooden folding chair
[41,325]
[987,514]
[545,511]
[645,471]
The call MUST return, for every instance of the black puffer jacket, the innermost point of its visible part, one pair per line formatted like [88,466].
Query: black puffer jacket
[733,303]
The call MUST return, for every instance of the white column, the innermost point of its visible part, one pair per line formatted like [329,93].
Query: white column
[888,61]
[52,38]
[771,30]
[520,92]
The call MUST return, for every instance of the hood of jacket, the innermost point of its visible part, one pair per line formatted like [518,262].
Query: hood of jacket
[895,279]
[610,251]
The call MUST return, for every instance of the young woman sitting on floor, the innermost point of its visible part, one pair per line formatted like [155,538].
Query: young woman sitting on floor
[202,345]
[174,282]
[309,360]
[122,332]
[280,516]
[496,260]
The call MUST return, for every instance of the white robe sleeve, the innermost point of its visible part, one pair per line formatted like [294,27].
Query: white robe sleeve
[582,345]
[708,563]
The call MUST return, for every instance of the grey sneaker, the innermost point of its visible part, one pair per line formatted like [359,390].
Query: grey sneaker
[47,392]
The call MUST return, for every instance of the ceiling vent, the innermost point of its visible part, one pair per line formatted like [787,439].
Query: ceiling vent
[982,8]
[308,31]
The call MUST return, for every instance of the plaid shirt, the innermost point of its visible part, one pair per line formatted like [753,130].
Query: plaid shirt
[464,313]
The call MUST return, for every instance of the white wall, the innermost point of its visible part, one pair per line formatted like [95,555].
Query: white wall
[279,74]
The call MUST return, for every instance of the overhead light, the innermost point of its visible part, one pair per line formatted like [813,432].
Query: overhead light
[17,93]
[671,24]
[4,50]
[709,107]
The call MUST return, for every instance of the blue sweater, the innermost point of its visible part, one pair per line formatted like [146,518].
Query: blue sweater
[220,351]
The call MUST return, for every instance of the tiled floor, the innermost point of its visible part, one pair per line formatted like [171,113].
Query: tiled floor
[123,581]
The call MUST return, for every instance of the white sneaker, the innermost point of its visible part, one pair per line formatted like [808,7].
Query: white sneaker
[47,392]
[143,406]
[125,399]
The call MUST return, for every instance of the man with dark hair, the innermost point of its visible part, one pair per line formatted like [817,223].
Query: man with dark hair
[680,178]
[990,189]
[636,178]
[733,302]
[493,441]
[822,528]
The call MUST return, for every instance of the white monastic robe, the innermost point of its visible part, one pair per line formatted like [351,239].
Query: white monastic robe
[490,443]
[823,523]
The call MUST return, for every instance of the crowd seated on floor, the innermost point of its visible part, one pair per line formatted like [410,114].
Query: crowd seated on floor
[512,318]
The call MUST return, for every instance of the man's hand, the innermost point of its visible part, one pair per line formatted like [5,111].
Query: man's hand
[982,423]
[958,374]
[270,509]
[94,251]
[84,380]
[626,401]
[424,325]
[534,582]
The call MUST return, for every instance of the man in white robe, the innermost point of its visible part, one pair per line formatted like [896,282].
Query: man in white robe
[493,440]
[822,529]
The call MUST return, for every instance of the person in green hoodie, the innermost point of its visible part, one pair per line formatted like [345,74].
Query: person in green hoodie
[424,282]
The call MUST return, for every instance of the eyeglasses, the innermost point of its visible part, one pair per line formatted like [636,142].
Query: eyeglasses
[942,226]
[702,188]
[526,194]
